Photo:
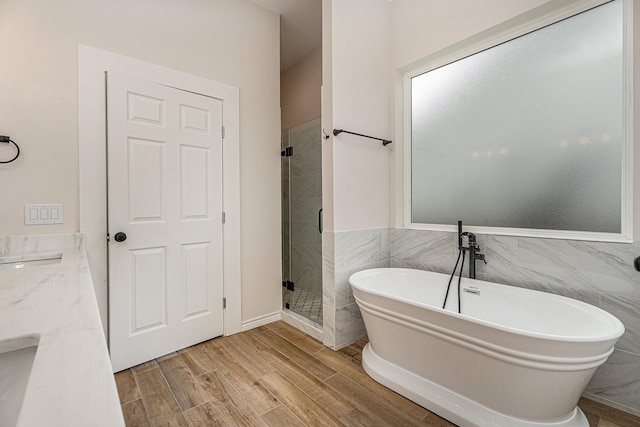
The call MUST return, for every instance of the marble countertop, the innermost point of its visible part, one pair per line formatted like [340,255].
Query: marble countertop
[71,381]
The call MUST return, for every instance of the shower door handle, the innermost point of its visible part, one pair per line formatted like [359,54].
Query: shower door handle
[320,221]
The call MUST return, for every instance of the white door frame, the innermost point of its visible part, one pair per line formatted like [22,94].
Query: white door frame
[92,64]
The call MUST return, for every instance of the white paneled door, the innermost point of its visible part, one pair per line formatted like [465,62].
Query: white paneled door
[164,155]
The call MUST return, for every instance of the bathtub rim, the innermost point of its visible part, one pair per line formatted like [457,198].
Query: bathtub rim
[494,350]
[616,332]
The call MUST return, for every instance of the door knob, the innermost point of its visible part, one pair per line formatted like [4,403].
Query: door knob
[120,237]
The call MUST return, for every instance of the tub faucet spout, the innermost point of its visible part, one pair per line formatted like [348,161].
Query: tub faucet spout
[474,255]
[473,249]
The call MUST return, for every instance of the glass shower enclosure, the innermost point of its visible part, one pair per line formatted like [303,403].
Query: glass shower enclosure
[302,220]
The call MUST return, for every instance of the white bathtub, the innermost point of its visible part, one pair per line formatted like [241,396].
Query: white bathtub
[514,357]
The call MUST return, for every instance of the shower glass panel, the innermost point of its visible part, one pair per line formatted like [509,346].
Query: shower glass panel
[301,227]
[286,218]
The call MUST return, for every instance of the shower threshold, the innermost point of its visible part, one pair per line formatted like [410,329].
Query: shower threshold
[305,303]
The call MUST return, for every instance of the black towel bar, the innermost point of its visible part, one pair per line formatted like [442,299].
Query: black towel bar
[337,132]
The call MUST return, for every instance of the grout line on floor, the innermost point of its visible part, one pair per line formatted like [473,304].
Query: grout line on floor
[144,404]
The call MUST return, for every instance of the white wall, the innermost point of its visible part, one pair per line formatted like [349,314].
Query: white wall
[300,91]
[234,42]
[326,100]
[360,39]
[420,28]
[355,170]
[356,98]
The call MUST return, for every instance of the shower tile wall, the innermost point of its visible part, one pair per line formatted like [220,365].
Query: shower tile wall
[598,273]
[345,253]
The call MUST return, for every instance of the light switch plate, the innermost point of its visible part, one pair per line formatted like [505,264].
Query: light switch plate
[43,214]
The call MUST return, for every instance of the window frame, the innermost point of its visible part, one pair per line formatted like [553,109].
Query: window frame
[526,23]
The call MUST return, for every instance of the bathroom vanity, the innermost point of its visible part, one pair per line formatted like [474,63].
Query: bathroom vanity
[54,363]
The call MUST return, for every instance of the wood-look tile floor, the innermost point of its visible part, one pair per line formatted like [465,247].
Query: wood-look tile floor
[277,376]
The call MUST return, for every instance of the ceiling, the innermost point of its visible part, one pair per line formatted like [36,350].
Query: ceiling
[300,28]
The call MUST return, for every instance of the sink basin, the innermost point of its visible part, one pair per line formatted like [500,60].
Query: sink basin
[9,263]
[16,360]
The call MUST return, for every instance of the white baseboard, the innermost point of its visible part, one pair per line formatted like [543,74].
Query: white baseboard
[260,321]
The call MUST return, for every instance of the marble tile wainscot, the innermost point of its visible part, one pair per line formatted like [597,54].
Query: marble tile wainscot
[71,381]
[598,273]
[345,253]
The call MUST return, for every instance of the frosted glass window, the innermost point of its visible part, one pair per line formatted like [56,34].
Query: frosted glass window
[527,134]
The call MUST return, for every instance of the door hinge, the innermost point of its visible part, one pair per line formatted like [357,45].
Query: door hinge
[224,302]
[289,285]
[222,132]
[224,217]
[287,152]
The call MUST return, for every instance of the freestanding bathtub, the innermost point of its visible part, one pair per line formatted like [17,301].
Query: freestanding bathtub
[513,357]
